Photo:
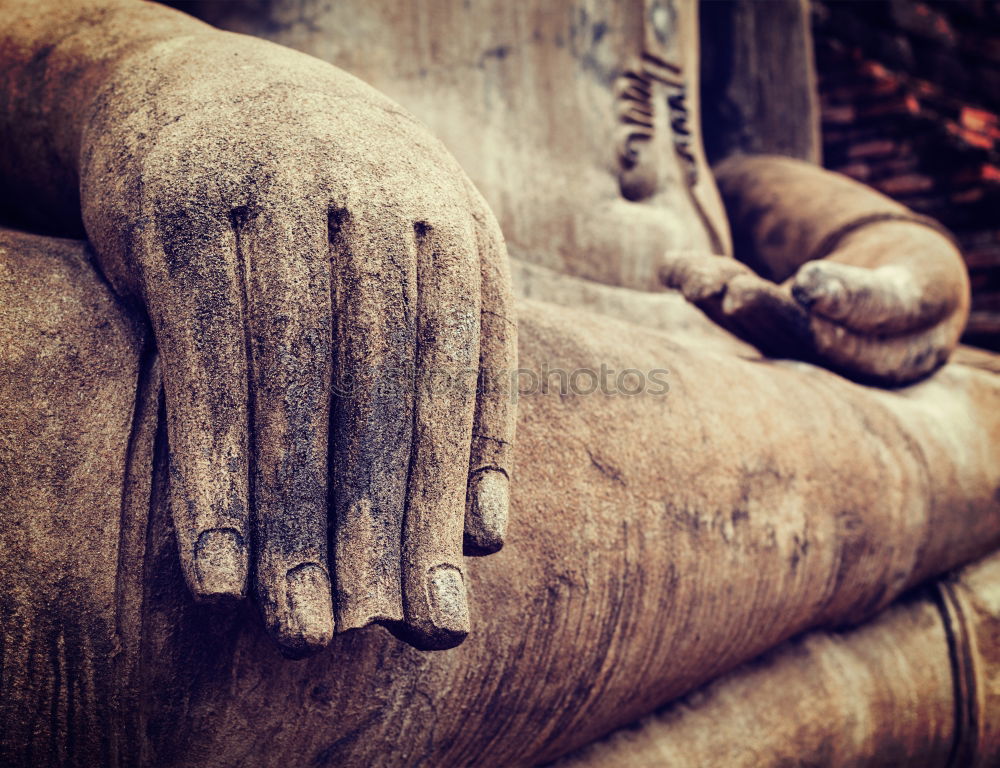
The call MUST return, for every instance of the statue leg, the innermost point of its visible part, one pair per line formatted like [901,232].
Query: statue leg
[658,538]
[915,686]
[72,439]
[656,541]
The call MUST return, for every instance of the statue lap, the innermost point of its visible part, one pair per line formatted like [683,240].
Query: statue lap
[656,541]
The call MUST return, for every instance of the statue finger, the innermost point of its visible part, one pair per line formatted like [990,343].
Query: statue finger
[285,257]
[764,314]
[373,254]
[492,449]
[699,276]
[192,285]
[447,362]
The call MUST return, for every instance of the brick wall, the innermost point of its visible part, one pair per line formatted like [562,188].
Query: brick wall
[910,97]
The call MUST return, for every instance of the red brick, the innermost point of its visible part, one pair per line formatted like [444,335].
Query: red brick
[898,105]
[876,148]
[978,119]
[971,137]
[859,171]
[989,302]
[983,258]
[839,115]
[983,323]
[876,70]
[901,163]
[967,196]
[907,184]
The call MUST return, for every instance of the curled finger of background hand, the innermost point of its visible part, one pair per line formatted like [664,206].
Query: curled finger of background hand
[699,276]
[766,315]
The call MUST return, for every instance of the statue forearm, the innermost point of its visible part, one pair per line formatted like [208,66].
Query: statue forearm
[56,58]
[783,211]
[273,216]
[787,213]
[832,272]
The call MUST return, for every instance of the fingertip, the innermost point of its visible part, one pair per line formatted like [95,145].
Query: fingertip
[699,277]
[220,565]
[449,607]
[443,620]
[487,509]
[305,625]
[671,273]
[741,293]
[817,287]
[689,275]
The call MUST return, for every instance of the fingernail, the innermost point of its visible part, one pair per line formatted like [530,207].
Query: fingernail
[310,609]
[816,284]
[738,297]
[448,607]
[834,292]
[220,564]
[486,520]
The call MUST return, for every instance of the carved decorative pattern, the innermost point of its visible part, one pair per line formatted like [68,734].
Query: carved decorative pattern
[637,91]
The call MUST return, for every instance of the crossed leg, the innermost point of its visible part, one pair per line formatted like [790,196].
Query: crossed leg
[657,539]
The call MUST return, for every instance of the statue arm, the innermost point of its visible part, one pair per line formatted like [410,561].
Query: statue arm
[54,58]
[833,272]
[280,223]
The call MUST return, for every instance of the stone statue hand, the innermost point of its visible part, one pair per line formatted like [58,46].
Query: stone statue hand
[326,289]
[889,325]
[842,276]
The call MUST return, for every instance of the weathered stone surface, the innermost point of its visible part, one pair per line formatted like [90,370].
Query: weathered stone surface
[78,394]
[276,222]
[579,121]
[655,542]
[759,79]
[916,686]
